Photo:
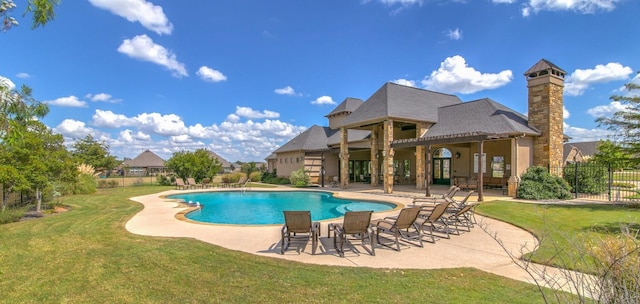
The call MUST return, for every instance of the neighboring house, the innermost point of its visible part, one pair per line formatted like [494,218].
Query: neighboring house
[145,164]
[226,166]
[413,136]
[579,151]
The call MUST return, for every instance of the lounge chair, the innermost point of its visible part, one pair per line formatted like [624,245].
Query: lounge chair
[402,227]
[193,184]
[240,182]
[435,199]
[355,224]
[463,217]
[457,205]
[180,184]
[433,220]
[299,222]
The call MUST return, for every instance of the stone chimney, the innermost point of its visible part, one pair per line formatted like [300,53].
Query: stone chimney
[545,81]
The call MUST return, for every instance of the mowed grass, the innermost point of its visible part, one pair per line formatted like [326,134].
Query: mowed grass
[86,255]
[564,228]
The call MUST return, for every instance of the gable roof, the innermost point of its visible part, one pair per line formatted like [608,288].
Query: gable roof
[400,102]
[587,148]
[482,116]
[144,160]
[224,162]
[346,106]
[314,138]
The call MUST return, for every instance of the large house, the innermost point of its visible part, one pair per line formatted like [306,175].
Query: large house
[413,136]
[145,164]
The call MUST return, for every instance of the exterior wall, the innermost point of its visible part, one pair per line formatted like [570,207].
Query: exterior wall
[461,167]
[546,114]
[313,166]
[336,119]
[491,149]
[288,162]
[524,148]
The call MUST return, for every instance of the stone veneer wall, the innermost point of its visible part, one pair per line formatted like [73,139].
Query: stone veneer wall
[546,114]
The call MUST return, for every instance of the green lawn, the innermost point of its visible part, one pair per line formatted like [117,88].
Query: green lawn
[564,226]
[86,256]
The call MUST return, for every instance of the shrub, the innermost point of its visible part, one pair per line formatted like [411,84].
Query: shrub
[266,176]
[299,178]
[255,176]
[164,180]
[592,178]
[10,215]
[538,184]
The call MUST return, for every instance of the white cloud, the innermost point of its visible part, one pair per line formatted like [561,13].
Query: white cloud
[74,129]
[69,101]
[579,6]
[130,137]
[233,118]
[578,134]
[323,100]
[405,82]
[253,114]
[580,80]
[210,75]
[23,75]
[454,76]
[454,34]
[565,113]
[141,47]
[167,125]
[108,119]
[7,83]
[399,4]
[607,110]
[151,16]
[288,90]
[246,135]
[103,97]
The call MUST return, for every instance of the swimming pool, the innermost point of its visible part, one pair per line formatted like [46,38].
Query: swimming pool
[265,207]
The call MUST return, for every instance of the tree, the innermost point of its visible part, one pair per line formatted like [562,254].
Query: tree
[42,10]
[42,159]
[199,164]
[17,108]
[96,154]
[249,167]
[626,124]
[612,153]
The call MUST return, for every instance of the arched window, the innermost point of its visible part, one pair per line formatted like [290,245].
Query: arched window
[442,153]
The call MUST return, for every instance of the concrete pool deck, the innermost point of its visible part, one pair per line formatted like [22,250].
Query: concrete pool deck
[474,249]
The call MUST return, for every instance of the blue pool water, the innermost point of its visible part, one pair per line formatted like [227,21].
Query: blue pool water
[265,207]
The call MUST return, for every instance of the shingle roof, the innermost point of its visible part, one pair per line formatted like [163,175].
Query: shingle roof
[543,65]
[224,162]
[400,102]
[587,148]
[348,105]
[480,116]
[314,138]
[146,159]
[352,135]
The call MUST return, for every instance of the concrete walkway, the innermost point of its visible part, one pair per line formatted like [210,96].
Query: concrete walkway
[470,249]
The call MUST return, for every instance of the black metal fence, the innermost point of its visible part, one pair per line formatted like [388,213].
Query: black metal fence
[596,181]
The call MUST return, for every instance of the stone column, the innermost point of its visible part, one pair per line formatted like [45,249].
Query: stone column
[344,158]
[387,153]
[421,128]
[374,156]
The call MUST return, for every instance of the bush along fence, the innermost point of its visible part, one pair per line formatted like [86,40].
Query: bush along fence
[591,180]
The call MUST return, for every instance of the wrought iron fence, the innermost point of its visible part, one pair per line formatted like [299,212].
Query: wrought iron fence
[597,181]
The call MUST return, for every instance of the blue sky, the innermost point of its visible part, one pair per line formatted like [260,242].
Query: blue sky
[243,77]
